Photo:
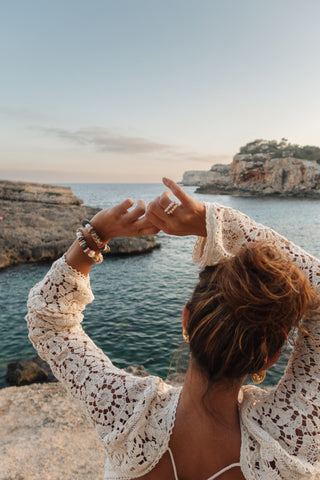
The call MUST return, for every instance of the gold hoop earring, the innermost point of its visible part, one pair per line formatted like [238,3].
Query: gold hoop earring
[259,377]
[185,336]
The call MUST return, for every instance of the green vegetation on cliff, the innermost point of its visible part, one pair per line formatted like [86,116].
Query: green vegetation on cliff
[282,149]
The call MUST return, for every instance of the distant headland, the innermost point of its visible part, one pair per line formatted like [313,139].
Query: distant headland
[263,168]
[38,224]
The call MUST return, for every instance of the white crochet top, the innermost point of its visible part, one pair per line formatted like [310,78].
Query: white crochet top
[134,417]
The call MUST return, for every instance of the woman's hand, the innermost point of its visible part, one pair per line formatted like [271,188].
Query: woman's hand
[112,222]
[189,218]
[118,221]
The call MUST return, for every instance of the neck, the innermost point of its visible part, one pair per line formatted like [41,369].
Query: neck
[217,406]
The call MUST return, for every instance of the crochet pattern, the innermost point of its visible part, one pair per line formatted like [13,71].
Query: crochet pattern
[119,405]
[280,427]
[134,417]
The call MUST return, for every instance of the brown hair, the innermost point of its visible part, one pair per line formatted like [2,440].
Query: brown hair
[243,309]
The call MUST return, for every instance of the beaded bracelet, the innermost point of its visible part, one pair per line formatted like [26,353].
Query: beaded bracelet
[100,244]
[96,256]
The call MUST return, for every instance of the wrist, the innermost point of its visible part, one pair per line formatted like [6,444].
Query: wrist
[201,220]
[105,235]
[77,259]
[94,237]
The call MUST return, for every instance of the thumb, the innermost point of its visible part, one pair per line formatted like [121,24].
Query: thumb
[184,198]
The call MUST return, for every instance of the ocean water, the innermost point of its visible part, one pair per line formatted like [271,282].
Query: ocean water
[136,315]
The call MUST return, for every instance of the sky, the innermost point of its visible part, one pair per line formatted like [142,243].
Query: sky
[134,90]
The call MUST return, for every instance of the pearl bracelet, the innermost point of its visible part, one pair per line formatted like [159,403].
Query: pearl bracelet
[97,240]
[97,257]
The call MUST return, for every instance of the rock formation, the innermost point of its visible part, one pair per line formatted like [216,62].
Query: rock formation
[265,168]
[35,370]
[217,174]
[38,223]
[26,372]
[45,436]
[37,192]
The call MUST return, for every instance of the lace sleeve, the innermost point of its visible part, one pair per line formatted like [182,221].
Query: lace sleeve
[133,416]
[229,230]
[281,425]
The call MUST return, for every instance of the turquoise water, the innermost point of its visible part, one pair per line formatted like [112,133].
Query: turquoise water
[136,315]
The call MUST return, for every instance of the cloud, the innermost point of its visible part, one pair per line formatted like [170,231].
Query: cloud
[21,113]
[206,158]
[104,140]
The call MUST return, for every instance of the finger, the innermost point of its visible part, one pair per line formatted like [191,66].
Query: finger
[155,220]
[152,205]
[165,199]
[155,208]
[123,207]
[143,226]
[137,212]
[177,191]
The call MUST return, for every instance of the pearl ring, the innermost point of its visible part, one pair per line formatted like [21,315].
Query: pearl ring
[171,207]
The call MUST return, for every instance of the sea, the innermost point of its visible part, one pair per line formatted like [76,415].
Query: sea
[136,315]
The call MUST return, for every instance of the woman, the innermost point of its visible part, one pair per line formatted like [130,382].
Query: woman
[239,316]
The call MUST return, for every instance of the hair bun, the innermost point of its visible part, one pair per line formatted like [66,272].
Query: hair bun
[252,300]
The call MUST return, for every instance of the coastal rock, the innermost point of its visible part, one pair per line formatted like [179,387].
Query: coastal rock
[45,436]
[132,245]
[38,224]
[197,177]
[267,168]
[276,176]
[36,370]
[217,174]
[26,372]
[37,192]
[137,370]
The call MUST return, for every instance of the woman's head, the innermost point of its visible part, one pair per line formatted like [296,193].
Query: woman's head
[243,309]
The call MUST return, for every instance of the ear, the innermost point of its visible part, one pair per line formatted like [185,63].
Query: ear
[185,317]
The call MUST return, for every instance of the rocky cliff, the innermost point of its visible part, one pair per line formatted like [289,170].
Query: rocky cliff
[38,223]
[217,174]
[266,168]
[37,193]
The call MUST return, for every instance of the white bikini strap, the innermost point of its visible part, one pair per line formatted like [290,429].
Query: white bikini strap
[211,478]
[224,470]
[173,464]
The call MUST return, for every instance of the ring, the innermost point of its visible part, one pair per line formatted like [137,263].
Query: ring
[171,207]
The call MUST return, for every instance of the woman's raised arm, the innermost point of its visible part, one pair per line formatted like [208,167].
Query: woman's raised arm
[222,231]
[230,230]
[55,307]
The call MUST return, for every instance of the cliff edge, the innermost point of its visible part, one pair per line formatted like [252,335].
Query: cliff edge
[263,168]
[38,224]
[45,435]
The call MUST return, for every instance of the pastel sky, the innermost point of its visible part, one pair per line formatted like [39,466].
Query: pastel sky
[132,90]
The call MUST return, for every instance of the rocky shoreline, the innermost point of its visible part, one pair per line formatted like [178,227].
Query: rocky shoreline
[45,435]
[263,168]
[35,370]
[38,224]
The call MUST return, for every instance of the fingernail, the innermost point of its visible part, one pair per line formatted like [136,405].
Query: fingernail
[165,179]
